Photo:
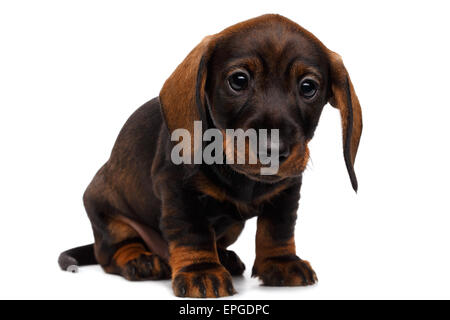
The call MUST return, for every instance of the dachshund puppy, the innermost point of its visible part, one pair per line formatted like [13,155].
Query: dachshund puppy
[154,219]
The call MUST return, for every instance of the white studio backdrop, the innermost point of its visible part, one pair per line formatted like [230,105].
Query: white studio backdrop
[72,72]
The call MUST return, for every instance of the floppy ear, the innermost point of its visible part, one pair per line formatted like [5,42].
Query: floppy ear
[182,96]
[343,97]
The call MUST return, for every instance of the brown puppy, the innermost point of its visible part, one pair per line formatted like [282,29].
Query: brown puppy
[153,219]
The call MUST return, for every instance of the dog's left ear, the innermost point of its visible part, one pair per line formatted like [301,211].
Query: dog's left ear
[343,97]
[183,94]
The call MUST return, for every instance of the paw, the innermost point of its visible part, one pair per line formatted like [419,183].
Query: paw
[231,262]
[203,280]
[146,267]
[285,271]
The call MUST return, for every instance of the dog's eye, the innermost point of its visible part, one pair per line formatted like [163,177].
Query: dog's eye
[238,81]
[308,88]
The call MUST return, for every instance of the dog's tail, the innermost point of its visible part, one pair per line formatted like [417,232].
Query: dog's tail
[71,259]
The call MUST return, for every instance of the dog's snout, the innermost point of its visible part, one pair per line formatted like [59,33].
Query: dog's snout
[281,148]
[283,151]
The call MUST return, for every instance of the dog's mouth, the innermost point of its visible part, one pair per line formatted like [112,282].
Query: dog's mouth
[246,160]
[256,176]
[267,178]
[293,166]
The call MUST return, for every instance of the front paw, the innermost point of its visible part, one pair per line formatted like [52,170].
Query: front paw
[203,280]
[287,270]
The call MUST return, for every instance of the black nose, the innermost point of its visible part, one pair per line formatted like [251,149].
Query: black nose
[282,148]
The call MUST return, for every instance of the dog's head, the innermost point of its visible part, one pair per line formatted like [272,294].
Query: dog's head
[264,73]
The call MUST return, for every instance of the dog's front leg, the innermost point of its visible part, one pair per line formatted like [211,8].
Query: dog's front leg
[276,262]
[196,269]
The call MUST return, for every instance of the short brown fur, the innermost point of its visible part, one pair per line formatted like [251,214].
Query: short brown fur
[153,219]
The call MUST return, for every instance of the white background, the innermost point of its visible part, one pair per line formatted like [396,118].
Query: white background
[71,72]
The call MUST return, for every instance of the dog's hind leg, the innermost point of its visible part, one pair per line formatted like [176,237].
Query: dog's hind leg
[119,248]
[122,251]
[229,259]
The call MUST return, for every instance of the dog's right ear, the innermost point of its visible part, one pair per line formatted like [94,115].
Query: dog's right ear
[343,97]
[183,95]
